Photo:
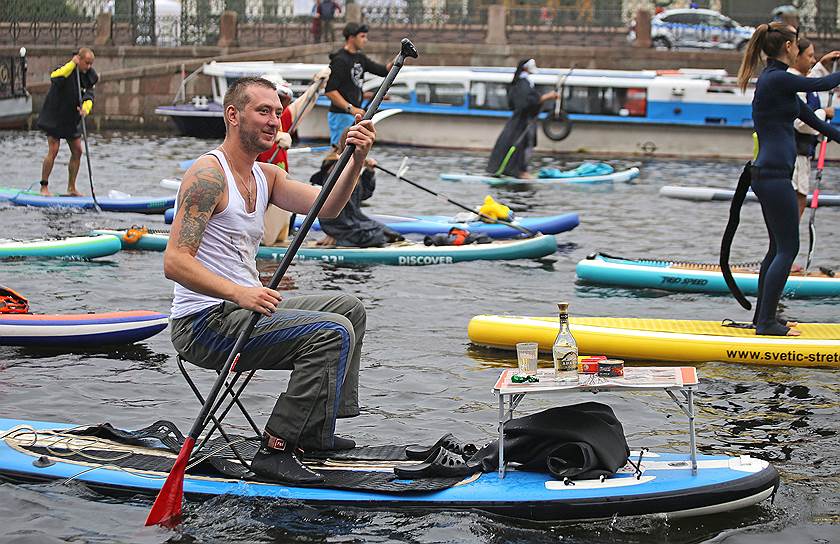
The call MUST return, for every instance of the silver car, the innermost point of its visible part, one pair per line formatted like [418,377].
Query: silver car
[697,28]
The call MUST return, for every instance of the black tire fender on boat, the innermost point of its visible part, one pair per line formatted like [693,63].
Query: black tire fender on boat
[557,127]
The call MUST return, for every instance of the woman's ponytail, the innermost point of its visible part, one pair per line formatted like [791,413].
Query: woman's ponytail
[769,39]
[752,54]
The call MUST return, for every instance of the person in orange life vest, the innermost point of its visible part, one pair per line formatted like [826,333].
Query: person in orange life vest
[291,112]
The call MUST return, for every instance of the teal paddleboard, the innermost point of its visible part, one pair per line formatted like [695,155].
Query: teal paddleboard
[400,253]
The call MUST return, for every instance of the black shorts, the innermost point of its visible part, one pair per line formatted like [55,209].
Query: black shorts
[64,135]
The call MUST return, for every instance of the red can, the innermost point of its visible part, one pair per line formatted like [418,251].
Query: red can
[589,365]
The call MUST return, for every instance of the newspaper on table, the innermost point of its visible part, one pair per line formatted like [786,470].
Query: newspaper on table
[636,377]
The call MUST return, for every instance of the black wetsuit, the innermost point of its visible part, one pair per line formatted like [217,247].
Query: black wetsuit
[352,228]
[518,131]
[59,117]
[775,106]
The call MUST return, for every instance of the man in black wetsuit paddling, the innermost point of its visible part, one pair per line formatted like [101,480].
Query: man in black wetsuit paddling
[62,113]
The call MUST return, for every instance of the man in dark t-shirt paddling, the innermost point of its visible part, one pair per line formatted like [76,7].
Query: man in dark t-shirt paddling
[344,88]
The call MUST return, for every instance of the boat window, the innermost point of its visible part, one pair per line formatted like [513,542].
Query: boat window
[440,94]
[626,102]
[398,93]
[488,96]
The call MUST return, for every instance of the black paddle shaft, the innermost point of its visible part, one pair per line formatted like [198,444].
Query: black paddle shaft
[489,218]
[84,135]
[407,50]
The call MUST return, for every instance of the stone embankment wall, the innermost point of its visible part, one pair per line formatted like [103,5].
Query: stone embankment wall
[135,80]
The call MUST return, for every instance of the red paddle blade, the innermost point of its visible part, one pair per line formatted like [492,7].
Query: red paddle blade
[166,510]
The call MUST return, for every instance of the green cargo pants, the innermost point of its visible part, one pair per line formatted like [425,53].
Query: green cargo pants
[318,337]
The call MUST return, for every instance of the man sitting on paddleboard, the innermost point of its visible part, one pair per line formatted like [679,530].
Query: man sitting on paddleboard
[62,113]
[211,253]
[352,227]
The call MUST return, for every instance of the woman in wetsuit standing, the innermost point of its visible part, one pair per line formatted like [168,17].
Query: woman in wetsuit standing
[775,106]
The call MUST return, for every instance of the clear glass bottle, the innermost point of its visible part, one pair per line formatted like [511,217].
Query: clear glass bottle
[565,350]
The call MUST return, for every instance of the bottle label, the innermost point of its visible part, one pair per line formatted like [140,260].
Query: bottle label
[565,358]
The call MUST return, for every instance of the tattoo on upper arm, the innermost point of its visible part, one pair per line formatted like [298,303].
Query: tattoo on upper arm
[198,202]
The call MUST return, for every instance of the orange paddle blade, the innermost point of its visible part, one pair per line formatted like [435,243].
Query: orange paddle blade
[166,510]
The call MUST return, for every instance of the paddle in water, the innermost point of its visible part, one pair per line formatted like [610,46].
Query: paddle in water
[812,220]
[489,218]
[84,135]
[167,507]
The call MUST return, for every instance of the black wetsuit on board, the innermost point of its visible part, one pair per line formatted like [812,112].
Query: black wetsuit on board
[775,106]
[59,117]
[352,227]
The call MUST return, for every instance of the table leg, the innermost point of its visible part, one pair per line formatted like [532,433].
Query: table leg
[501,436]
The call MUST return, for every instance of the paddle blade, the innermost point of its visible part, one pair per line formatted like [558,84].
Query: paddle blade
[403,168]
[812,242]
[166,510]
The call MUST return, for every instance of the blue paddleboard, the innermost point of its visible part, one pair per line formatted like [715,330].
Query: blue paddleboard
[666,484]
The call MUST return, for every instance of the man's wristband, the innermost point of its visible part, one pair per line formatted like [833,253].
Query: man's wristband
[349,108]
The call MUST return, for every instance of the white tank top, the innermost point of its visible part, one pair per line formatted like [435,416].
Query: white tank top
[229,245]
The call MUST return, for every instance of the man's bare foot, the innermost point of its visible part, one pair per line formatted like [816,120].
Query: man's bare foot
[44,191]
[326,241]
[74,192]
[794,332]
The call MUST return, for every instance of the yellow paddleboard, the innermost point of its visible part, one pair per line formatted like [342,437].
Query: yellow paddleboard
[666,340]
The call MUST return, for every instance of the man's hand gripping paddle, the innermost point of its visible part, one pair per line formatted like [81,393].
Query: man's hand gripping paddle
[400,174]
[812,227]
[167,507]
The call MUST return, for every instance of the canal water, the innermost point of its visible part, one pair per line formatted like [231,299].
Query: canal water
[420,377]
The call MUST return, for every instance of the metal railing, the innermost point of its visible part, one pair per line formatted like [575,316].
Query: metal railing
[451,22]
[822,25]
[544,18]
[566,25]
[12,76]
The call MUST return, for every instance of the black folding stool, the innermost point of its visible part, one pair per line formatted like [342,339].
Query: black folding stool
[217,421]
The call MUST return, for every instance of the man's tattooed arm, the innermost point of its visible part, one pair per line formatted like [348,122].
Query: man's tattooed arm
[198,201]
[201,192]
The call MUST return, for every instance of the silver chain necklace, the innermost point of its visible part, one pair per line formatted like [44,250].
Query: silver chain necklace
[235,175]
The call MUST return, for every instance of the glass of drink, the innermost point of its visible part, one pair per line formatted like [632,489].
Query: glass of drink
[526,355]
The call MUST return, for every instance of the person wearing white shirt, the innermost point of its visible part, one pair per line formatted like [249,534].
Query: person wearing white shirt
[806,137]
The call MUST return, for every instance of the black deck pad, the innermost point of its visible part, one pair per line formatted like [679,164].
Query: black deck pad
[221,463]
[170,436]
